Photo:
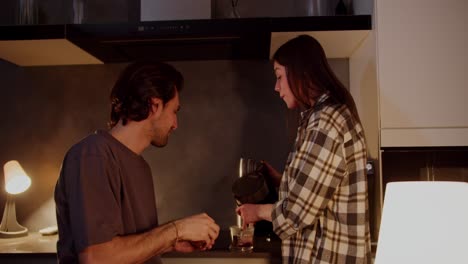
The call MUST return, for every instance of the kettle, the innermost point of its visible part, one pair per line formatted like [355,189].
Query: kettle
[253,185]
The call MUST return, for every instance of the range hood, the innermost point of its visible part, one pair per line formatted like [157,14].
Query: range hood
[174,40]
[203,39]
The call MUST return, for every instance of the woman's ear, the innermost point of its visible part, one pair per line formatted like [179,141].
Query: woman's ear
[156,106]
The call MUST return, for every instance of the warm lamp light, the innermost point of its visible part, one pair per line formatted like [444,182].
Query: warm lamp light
[424,222]
[16,181]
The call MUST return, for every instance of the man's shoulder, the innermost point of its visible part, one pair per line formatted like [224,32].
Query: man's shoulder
[93,144]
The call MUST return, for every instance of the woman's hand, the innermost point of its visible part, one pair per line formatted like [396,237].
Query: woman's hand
[251,213]
[273,173]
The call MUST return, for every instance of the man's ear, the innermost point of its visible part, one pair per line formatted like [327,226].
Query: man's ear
[156,106]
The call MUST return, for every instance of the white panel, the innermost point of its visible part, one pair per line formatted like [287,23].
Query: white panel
[422,63]
[154,10]
[363,88]
[424,223]
[427,137]
[337,44]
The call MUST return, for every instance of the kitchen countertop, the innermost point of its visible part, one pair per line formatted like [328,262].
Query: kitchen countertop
[35,245]
[262,249]
[32,243]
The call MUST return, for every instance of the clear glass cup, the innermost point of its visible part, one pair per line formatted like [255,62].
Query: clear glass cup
[242,239]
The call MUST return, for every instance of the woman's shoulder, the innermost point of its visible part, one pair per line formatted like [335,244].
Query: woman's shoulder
[330,116]
[336,120]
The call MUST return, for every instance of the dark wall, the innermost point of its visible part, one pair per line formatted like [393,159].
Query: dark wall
[229,110]
[115,11]
[44,111]
[61,12]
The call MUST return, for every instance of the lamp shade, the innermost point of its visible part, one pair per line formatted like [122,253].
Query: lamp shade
[16,180]
[424,222]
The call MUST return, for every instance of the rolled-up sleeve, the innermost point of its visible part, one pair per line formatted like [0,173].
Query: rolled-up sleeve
[315,171]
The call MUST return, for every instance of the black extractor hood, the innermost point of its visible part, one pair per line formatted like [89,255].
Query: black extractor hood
[175,40]
[203,39]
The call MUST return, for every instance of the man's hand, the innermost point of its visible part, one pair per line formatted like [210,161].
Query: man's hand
[197,232]
[190,246]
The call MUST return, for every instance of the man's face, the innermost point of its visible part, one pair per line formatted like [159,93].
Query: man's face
[166,122]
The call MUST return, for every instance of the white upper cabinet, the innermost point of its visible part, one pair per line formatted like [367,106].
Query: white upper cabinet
[337,44]
[422,58]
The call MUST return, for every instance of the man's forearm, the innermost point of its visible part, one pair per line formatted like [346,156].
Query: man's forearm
[132,248]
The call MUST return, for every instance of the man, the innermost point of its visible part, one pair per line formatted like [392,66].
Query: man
[106,210]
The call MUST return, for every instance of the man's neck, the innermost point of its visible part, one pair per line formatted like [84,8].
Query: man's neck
[131,135]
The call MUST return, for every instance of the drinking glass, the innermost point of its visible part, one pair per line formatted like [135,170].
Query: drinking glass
[242,239]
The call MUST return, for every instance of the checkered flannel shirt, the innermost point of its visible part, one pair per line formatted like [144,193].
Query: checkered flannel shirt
[322,212]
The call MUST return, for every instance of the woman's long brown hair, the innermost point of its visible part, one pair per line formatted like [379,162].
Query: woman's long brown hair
[309,74]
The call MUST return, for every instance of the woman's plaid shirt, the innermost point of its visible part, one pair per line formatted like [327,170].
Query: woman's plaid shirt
[322,213]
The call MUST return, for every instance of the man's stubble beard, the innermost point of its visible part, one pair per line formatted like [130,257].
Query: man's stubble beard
[160,141]
[158,144]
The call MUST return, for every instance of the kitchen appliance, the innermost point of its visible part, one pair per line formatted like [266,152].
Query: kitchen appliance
[197,39]
[255,186]
[251,186]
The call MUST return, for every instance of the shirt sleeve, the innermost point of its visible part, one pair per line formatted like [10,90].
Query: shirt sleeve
[93,195]
[315,171]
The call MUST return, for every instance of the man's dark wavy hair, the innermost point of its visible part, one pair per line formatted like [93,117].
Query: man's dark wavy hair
[138,83]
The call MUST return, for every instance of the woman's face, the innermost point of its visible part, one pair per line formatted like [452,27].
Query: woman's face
[282,86]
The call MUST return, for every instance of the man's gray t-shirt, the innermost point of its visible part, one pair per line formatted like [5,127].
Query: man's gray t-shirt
[104,190]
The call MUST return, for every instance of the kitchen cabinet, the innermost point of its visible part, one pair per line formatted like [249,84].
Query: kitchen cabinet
[41,45]
[204,39]
[422,72]
[422,80]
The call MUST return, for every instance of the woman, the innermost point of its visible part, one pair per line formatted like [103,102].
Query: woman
[322,212]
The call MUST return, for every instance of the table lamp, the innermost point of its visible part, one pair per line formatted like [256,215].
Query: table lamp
[16,181]
[424,222]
